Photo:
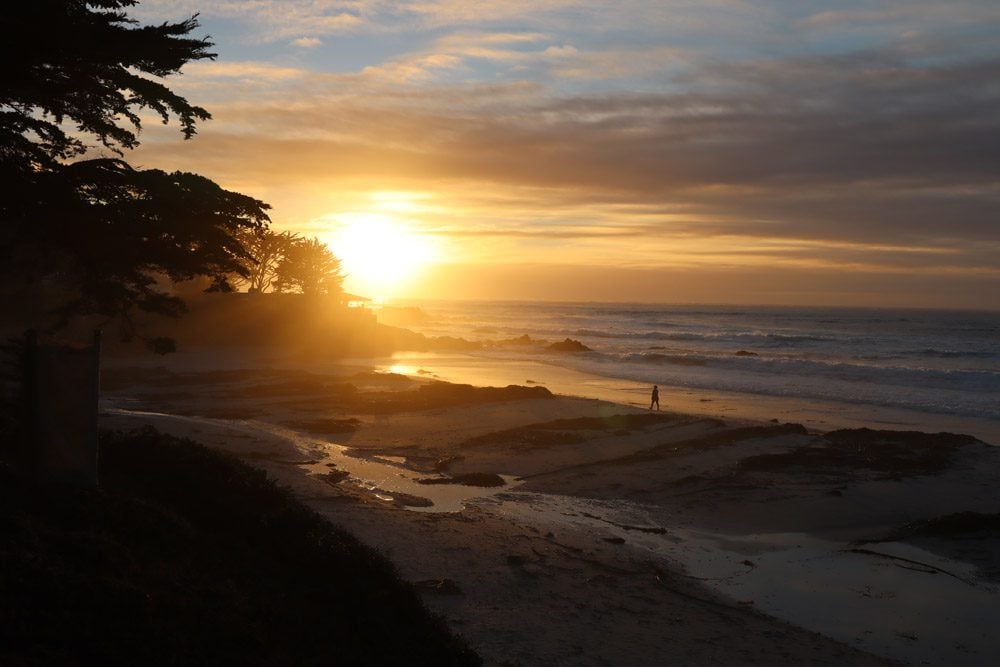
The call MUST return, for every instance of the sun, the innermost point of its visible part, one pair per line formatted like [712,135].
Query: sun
[380,252]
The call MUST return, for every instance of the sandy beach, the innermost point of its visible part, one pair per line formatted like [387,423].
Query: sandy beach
[552,529]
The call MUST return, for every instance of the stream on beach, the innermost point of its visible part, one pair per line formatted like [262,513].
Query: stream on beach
[894,600]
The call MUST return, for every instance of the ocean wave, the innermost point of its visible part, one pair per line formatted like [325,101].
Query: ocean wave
[895,376]
[742,337]
[780,369]
[924,360]
[643,335]
[969,394]
[659,358]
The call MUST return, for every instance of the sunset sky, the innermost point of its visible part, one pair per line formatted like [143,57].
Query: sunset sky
[781,152]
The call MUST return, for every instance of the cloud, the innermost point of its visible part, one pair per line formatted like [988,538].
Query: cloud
[565,51]
[879,158]
[265,20]
[412,69]
[268,21]
[588,16]
[902,16]
[307,42]
[744,285]
[261,72]
[814,147]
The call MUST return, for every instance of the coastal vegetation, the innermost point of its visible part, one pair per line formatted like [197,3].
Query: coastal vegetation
[82,230]
[185,555]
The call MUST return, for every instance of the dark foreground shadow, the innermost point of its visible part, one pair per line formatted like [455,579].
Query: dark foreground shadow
[188,556]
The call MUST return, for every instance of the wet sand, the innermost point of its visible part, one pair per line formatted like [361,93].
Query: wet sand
[619,536]
[815,414]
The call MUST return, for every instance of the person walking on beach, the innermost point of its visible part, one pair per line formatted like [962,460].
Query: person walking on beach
[655,398]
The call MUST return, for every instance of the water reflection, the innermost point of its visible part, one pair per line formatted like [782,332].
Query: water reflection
[386,477]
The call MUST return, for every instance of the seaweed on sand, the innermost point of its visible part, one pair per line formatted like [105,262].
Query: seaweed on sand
[483,479]
[959,524]
[442,395]
[566,431]
[325,425]
[888,454]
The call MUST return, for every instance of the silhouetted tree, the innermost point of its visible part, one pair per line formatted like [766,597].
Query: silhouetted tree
[100,234]
[267,251]
[309,267]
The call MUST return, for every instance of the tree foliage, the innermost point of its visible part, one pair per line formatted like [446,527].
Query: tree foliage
[76,77]
[112,234]
[267,251]
[309,267]
[87,63]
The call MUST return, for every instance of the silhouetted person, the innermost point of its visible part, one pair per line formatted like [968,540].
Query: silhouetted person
[655,398]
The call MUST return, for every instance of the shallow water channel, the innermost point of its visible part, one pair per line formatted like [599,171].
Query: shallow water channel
[386,477]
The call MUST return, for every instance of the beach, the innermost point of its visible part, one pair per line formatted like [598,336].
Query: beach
[553,333]
[555,529]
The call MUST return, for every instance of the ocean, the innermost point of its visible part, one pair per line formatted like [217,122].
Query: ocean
[924,361]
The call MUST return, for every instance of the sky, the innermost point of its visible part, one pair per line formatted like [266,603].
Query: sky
[711,151]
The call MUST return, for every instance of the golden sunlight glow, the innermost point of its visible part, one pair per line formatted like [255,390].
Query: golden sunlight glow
[396,201]
[379,251]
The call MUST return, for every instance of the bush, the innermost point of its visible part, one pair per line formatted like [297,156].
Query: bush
[188,556]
